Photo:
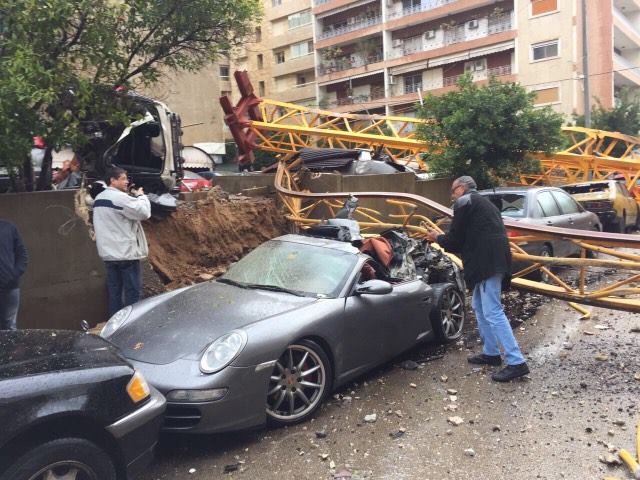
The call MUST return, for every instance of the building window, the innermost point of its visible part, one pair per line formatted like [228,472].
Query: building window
[299,19]
[258,34]
[224,71]
[276,3]
[279,56]
[541,51]
[540,7]
[261,90]
[545,96]
[301,79]
[260,59]
[301,49]
[413,83]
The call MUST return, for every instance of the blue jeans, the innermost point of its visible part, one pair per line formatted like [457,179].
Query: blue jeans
[492,322]
[9,303]
[123,284]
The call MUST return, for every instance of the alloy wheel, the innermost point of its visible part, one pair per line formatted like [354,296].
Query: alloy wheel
[65,470]
[297,384]
[453,313]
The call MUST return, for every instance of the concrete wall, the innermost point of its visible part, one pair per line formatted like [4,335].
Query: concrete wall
[65,280]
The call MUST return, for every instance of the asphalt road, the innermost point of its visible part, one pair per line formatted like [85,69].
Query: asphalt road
[555,424]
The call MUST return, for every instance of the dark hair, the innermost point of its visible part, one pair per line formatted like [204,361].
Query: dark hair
[113,172]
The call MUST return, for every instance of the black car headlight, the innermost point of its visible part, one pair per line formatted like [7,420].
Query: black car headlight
[222,351]
[116,321]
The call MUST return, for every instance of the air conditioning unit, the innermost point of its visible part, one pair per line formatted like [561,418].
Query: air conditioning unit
[397,42]
[392,79]
[473,24]
[429,34]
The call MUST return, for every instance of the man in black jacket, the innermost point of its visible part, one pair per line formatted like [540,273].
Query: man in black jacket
[13,263]
[478,234]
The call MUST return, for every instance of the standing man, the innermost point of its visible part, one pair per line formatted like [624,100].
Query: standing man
[13,263]
[478,234]
[120,238]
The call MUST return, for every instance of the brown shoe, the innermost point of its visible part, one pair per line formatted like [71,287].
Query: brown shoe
[482,359]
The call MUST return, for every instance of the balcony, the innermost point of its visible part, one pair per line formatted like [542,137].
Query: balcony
[346,63]
[440,38]
[424,6]
[292,65]
[376,94]
[351,25]
[477,76]
[627,28]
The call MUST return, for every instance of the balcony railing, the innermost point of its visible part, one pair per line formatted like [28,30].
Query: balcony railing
[345,63]
[413,88]
[356,24]
[479,75]
[451,37]
[423,7]
[356,99]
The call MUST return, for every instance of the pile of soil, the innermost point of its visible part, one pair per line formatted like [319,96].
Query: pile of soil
[201,239]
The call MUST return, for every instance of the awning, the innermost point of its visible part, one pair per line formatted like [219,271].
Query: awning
[476,52]
[410,67]
[195,157]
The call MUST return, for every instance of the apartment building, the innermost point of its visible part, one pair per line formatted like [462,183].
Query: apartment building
[382,56]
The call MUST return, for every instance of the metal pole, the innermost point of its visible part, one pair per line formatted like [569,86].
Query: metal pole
[585,67]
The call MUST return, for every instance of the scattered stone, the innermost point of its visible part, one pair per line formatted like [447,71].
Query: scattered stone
[343,474]
[602,357]
[601,327]
[398,413]
[231,467]
[496,428]
[635,329]
[452,391]
[470,452]
[567,346]
[192,471]
[588,430]
[455,421]
[332,464]
[323,456]
[453,398]
[371,418]
[452,407]
[637,376]
[321,434]
[449,432]
[588,332]
[609,459]
[619,423]
[413,385]
[204,277]
[444,379]
[409,365]
[398,434]
[611,433]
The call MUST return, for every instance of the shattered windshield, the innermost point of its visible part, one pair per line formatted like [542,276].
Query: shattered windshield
[303,269]
[587,188]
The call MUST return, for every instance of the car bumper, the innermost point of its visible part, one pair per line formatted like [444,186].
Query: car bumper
[137,434]
[241,407]
[607,217]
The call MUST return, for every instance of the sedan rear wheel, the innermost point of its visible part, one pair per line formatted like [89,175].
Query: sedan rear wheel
[300,380]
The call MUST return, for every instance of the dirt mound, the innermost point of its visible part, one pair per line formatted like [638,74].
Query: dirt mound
[203,237]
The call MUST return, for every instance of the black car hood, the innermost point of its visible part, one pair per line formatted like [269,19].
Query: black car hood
[31,352]
[185,323]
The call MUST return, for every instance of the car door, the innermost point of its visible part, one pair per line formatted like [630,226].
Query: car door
[378,327]
[630,205]
[575,216]
[552,216]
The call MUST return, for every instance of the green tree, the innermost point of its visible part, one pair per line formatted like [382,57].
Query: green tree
[624,117]
[61,60]
[486,131]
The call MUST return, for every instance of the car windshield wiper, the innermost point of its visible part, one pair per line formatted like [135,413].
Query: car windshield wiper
[231,282]
[274,288]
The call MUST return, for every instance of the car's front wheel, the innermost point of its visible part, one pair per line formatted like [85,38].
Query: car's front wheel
[448,314]
[300,380]
[63,458]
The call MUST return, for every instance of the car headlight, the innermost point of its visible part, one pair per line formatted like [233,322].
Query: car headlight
[222,351]
[116,321]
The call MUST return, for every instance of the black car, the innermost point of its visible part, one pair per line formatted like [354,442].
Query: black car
[71,407]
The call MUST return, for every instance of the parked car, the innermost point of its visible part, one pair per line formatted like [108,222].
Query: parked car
[284,326]
[548,206]
[610,200]
[192,182]
[71,407]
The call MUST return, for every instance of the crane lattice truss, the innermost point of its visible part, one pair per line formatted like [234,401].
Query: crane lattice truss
[607,273]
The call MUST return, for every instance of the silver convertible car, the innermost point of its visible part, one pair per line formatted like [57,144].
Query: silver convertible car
[292,320]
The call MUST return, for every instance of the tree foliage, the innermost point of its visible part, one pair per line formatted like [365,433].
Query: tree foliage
[486,131]
[624,117]
[61,60]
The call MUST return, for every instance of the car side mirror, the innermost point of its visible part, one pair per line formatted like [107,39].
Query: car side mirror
[374,287]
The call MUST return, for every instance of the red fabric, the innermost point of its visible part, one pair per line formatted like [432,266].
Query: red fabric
[380,248]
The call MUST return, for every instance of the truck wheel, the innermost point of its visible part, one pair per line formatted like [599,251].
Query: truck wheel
[74,458]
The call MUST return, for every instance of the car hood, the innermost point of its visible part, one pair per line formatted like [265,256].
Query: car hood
[184,324]
[31,352]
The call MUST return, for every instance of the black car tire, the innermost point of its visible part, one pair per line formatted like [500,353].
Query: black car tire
[538,275]
[309,355]
[449,303]
[60,455]
[620,226]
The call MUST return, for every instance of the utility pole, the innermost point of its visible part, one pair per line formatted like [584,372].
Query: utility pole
[585,67]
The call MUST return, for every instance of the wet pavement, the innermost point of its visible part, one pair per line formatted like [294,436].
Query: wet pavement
[580,403]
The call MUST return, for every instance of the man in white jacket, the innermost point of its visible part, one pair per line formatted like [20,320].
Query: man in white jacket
[120,238]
